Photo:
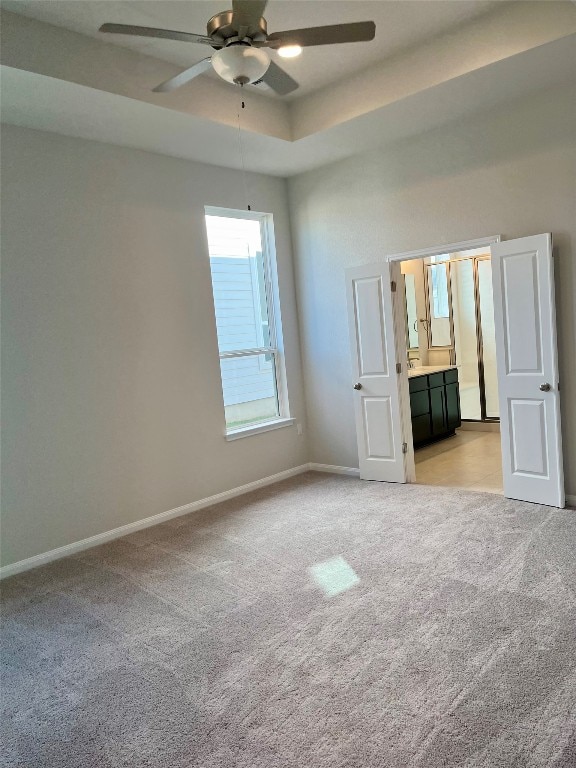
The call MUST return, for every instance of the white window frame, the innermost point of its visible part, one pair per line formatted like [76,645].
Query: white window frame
[276,349]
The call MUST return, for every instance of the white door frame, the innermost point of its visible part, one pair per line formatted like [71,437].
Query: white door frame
[399,330]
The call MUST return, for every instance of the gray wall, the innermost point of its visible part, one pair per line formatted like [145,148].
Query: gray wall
[112,405]
[509,172]
[112,402]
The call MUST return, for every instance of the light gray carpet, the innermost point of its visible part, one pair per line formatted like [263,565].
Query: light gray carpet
[322,622]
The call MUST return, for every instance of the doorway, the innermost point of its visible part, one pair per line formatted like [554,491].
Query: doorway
[469,459]
[450,319]
[526,370]
[452,378]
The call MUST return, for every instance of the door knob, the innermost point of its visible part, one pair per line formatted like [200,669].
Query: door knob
[358,385]
[545,387]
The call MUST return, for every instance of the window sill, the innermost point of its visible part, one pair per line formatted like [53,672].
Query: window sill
[255,429]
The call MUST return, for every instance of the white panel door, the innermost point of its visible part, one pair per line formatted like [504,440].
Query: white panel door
[527,358]
[375,381]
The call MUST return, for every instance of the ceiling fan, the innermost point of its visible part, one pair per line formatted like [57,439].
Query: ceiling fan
[238,37]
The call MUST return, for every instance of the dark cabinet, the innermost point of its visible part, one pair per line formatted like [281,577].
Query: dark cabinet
[437,411]
[421,428]
[453,419]
[435,405]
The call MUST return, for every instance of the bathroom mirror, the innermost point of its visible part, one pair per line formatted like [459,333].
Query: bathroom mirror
[411,314]
[439,334]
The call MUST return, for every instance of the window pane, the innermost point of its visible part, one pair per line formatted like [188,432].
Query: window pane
[250,393]
[237,266]
[439,291]
[438,305]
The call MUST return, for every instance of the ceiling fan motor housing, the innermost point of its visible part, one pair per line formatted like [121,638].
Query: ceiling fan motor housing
[221,29]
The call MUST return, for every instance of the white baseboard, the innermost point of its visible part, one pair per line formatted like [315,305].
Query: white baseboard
[195,506]
[147,522]
[334,469]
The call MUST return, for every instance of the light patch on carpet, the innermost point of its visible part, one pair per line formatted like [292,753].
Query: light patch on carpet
[334,576]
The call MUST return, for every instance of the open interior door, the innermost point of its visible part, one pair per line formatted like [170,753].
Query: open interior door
[375,379]
[527,360]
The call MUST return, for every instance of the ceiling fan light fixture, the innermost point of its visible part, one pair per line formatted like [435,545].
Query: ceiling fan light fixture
[240,64]
[238,35]
[290,51]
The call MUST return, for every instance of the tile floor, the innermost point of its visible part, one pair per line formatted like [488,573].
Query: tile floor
[469,460]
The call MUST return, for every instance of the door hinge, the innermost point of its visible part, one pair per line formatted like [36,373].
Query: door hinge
[404,447]
[398,367]
[393,286]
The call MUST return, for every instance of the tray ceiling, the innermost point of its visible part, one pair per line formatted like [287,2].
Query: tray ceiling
[423,70]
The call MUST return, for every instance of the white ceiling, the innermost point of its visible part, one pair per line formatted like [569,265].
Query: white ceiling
[400,25]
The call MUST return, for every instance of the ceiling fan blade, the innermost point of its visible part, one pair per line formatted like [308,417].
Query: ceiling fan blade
[166,34]
[358,32]
[247,13]
[278,80]
[184,77]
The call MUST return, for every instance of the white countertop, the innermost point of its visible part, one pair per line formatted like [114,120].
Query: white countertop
[424,369]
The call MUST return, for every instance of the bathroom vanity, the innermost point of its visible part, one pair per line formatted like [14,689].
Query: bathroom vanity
[434,402]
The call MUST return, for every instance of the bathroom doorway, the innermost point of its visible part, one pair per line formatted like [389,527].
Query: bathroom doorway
[450,320]
[393,412]
[451,356]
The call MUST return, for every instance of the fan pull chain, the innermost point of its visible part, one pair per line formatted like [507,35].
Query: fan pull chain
[241,149]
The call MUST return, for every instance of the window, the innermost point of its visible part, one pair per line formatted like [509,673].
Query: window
[439,290]
[241,249]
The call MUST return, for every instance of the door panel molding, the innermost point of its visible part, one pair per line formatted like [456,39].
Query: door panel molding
[521,311]
[528,418]
[378,428]
[370,332]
